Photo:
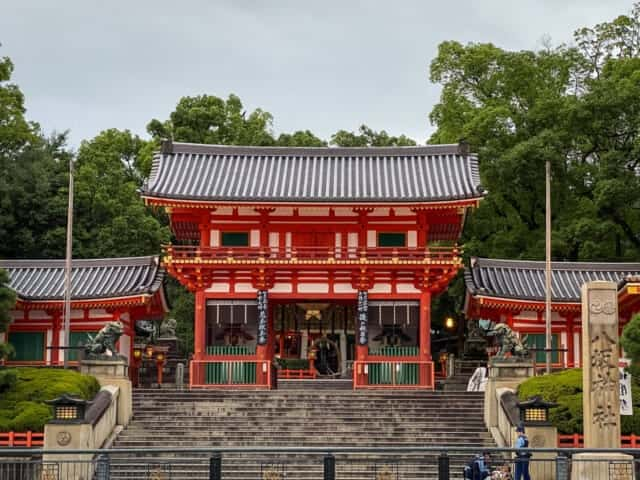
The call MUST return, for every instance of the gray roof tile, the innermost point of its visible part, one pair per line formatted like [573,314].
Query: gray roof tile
[90,279]
[303,174]
[525,280]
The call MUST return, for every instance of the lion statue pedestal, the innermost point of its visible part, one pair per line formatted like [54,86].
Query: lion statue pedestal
[104,363]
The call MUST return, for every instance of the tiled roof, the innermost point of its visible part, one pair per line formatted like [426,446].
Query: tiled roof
[304,174]
[90,279]
[525,280]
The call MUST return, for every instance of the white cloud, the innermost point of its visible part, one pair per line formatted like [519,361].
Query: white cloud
[323,65]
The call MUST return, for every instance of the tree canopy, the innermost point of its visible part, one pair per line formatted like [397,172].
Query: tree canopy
[579,108]
[366,137]
[7,301]
[15,130]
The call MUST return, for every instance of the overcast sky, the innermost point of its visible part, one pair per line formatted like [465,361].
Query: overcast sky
[86,65]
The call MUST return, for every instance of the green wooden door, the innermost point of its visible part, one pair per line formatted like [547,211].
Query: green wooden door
[29,346]
[77,339]
[538,341]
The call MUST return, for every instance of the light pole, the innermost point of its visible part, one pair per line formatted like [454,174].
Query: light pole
[67,269]
[547,307]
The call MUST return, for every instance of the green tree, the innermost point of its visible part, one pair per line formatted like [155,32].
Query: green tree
[366,137]
[7,302]
[110,219]
[33,199]
[210,119]
[630,341]
[520,109]
[301,138]
[15,130]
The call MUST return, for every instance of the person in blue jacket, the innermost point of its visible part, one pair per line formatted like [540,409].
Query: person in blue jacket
[522,458]
[479,468]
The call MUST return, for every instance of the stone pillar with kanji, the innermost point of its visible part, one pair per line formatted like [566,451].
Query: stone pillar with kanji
[600,385]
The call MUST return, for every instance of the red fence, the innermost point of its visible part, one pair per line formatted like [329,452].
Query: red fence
[21,439]
[577,441]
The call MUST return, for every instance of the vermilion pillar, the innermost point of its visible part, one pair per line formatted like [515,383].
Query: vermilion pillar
[200,325]
[425,325]
[570,345]
[205,231]
[510,320]
[55,338]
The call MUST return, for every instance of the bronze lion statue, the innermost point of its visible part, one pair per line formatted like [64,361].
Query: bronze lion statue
[104,342]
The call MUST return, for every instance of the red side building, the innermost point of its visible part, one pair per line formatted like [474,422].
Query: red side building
[325,256]
[102,290]
[513,292]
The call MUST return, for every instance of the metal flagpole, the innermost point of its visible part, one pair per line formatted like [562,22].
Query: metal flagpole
[67,269]
[547,307]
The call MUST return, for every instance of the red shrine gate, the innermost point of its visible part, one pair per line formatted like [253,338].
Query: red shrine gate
[322,255]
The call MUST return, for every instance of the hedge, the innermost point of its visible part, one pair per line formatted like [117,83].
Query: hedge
[23,392]
[565,388]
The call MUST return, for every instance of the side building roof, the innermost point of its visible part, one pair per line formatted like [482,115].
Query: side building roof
[207,173]
[104,278]
[525,280]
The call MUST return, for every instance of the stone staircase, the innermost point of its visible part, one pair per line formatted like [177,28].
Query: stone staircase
[304,417]
[463,371]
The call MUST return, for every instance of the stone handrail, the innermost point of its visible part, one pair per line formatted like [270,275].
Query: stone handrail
[94,432]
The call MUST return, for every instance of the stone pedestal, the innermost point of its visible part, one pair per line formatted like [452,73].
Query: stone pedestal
[503,374]
[600,385]
[170,342]
[113,372]
[543,436]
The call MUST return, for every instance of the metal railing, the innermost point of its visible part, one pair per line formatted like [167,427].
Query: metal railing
[393,373]
[189,253]
[297,463]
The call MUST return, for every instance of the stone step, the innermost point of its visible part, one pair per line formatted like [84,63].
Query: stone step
[306,413]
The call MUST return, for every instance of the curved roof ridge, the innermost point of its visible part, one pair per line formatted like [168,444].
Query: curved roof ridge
[91,278]
[557,264]
[220,173]
[207,148]
[79,262]
[524,279]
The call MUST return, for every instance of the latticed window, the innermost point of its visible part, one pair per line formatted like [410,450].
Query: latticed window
[234,239]
[387,239]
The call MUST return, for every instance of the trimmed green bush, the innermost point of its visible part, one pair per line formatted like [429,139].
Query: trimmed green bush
[565,389]
[8,378]
[22,404]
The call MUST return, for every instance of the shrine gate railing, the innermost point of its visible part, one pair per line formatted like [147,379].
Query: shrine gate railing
[231,371]
[396,373]
[213,255]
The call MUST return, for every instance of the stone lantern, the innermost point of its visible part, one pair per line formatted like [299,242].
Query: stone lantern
[535,411]
[68,409]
